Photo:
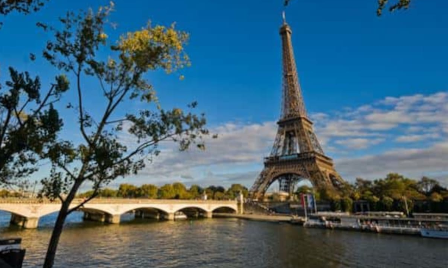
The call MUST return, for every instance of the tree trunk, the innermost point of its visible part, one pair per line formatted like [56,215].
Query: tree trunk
[59,226]
[56,234]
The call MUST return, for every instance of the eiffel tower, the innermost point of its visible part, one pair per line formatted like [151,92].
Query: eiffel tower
[296,153]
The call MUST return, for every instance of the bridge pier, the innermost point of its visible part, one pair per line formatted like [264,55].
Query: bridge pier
[115,219]
[240,203]
[24,222]
[208,215]
[168,216]
[101,217]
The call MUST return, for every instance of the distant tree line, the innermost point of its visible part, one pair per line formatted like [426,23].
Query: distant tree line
[176,190]
[5,194]
[391,193]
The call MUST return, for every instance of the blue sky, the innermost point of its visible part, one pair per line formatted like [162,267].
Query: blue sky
[375,87]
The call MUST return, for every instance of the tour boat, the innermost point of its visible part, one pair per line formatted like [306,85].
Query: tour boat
[11,255]
[434,233]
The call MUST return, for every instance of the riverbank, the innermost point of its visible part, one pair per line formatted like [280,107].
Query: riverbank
[255,217]
[370,228]
[223,242]
[384,225]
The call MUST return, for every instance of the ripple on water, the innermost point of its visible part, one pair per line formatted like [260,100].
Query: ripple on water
[228,243]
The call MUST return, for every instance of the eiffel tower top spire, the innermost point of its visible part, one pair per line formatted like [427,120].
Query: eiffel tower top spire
[292,101]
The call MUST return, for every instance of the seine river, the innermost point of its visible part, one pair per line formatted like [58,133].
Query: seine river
[224,243]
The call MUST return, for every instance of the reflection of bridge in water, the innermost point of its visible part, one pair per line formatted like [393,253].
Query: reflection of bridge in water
[26,212]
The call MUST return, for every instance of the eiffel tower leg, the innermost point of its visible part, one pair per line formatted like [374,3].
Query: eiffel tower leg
[324,179]
[261,184]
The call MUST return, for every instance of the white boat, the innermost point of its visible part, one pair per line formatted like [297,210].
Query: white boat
[434,233]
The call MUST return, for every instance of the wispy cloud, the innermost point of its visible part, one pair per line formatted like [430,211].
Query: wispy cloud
[405,134]
[390,118]
[359,143]
[432,161]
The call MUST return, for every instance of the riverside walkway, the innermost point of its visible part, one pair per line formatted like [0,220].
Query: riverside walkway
[257,217]
[26,212]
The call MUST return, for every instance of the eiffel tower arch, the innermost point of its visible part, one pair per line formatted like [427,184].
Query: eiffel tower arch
[296,153]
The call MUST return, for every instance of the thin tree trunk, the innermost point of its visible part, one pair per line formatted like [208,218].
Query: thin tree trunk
[56,234]
[59,226]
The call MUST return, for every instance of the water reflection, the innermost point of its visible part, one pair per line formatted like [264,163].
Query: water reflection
[221,243]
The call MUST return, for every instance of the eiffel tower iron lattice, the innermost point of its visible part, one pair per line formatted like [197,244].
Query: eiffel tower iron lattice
[296,153]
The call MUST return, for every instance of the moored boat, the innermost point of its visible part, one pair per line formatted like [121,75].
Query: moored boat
[11,255]
[434,233]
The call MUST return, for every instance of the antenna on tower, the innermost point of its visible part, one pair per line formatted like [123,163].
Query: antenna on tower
[284,17]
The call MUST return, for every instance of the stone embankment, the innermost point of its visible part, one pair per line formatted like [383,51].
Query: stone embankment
[384,225]
[255,217]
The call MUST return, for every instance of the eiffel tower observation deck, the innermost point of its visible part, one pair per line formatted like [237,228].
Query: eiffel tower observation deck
[296,154]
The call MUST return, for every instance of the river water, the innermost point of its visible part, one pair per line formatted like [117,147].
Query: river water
[226,243]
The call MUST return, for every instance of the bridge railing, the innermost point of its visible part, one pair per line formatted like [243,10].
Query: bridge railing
[115,201]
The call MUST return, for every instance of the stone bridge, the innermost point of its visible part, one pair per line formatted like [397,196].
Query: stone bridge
[26,212]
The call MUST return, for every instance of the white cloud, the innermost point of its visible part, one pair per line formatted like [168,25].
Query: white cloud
[415,163]
[395,123]
[359,143]
[423,115]
[414,138]
[236,146]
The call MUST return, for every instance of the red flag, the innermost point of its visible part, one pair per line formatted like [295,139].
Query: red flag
[302,197]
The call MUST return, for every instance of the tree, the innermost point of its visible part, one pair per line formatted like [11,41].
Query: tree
[100,157]
[219,196]
[387,203]
[235,189]
[209,192]
[166,192]
[304,189]
[127,190]
[107,192]
[195,191]
[426,185]
[4,193]
[180,191]
[436,197]
[28,123]
[397,4]
[347,204]
[21,6]
[147,191]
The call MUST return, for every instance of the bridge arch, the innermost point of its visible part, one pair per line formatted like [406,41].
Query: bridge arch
[14,211]
[225,209]
[192,211]
[129,208]
[148,212]
[198,207]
